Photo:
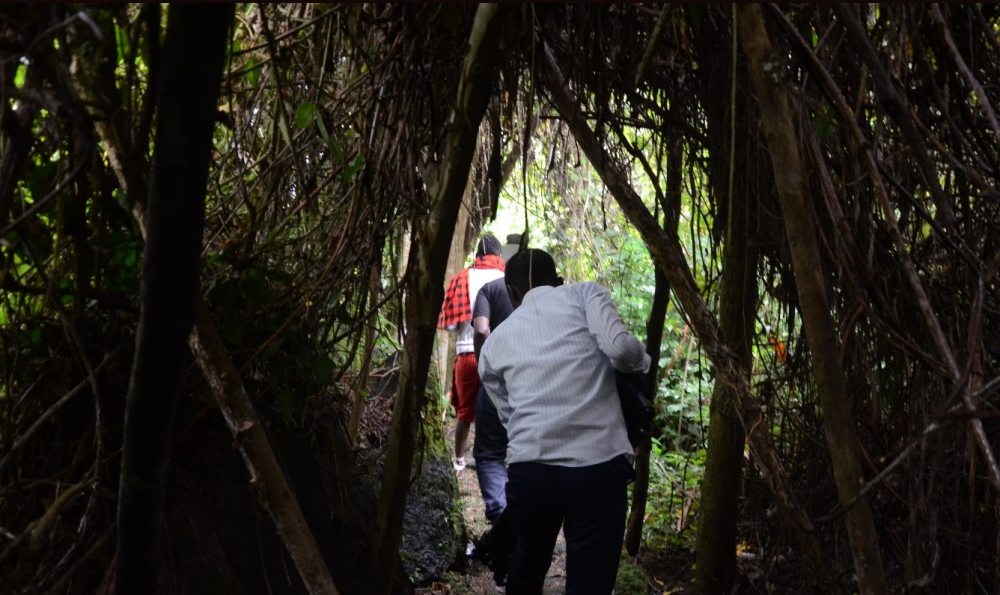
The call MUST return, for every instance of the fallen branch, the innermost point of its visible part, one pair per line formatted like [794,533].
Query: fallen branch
[266,475]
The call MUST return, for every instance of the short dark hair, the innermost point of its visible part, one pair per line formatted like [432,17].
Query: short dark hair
[488,244]
[531,268]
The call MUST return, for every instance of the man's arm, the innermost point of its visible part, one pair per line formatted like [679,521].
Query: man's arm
[482,309]
[626,352]
[481,328]
[496,387]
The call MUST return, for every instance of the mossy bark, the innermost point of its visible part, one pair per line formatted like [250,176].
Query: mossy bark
[434,533]
[736,185]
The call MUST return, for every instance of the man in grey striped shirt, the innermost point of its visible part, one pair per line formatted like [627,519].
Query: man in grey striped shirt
[550,372]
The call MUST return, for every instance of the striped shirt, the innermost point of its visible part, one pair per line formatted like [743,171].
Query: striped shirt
[549,370]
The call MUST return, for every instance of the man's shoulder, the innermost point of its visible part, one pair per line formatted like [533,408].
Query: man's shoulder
[584,290]
[494,287]
[588,289]
[588,286]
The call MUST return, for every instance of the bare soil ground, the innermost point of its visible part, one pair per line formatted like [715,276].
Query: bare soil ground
[476,578]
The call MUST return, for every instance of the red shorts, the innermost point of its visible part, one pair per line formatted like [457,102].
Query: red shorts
[465,387]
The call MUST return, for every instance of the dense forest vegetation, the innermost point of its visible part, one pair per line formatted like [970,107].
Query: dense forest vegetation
[225,233]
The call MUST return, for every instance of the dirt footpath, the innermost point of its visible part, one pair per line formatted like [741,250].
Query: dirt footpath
[477,579]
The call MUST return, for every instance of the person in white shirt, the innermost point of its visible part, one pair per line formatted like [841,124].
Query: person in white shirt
[456,317]
[550,372]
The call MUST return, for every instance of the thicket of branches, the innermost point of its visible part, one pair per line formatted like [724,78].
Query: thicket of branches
[328,119]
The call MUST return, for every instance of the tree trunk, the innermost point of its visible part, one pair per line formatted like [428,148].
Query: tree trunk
[445,352]
[193,57]
[765,72]
[17,148]
[654,340]
[720,490]
[669,258]
[425,285]
[732,149]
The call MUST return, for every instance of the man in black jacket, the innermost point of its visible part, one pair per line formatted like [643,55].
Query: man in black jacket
[490,447]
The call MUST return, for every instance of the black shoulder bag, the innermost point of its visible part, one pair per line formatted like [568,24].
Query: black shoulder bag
[636,406]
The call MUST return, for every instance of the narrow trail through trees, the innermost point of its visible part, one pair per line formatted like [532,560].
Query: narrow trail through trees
[477,579]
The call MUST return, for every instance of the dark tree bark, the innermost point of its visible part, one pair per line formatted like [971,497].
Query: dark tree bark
[735,184]
[432,238]
[765,72]
[17,128]
[654,339]
[719,507]
[193,55]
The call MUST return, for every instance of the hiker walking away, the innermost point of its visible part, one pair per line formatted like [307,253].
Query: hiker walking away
[456,316]
[550,371]
[489,448]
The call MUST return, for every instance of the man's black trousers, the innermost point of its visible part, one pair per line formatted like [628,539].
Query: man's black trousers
[589,503]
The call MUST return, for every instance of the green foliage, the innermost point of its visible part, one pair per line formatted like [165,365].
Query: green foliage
[287,367]
[631,580]
[674,477]
[305,115]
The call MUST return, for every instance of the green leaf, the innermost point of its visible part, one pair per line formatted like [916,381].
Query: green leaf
[253,70]
[255,290]
[696,15]
[226,294]
[823,127]
[22,71]
[331,144]
[122,41]
[283,127]
[452,17]
[354,167]
[272,348]
[305,115]
[278,275]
